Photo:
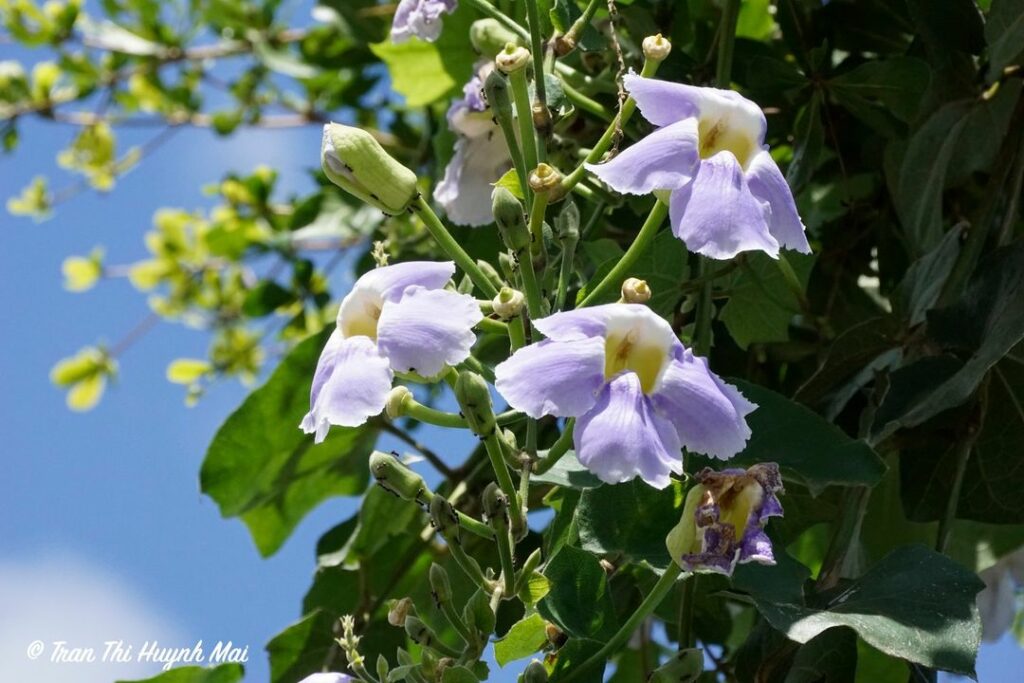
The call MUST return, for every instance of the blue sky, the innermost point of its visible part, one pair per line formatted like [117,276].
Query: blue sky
[105,534]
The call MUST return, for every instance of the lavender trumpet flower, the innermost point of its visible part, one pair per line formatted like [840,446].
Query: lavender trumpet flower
[420,18]
[707,160]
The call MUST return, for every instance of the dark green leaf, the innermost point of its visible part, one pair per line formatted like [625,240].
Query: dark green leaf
[1004,31]
[265,298]
[302,648]
[830,657]
[808,449]
[809,140]
[919,290]
[578,601]
[271,475]
[570,656]
[630,518]
[762,303]
[915,604]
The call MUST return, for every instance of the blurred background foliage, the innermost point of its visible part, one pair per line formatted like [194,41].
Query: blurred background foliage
[891,385]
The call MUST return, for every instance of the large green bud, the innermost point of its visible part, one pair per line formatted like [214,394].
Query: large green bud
[511,219]
[474,398]
[395,477]
[490,36]
[354,161]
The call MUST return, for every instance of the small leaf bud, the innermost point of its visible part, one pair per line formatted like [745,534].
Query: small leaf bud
[657,48]
[440,587]
[495,504]
[511,219]
[635,291]
[444,518]
[509,303]
[513,58]
[547,179]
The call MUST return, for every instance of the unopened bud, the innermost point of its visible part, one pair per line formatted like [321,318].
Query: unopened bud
[657,48]
[513,58]
[685,666]
[395,406]
[440,587]
[418,631]
[444,518]
[511,219]
[541,118]
[395,477]
[507,263]
[545,178]
[354,161]
[509,303]
[474,398]
[443,664]
[635,291]
[489,37]
[496,90]
[563,45]
[491,272]
[399,612]
[495,504]
[567,224]
[534,673]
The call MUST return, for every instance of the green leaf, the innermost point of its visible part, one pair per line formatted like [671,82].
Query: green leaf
[425,72]
[522,640]
[830,657]
[568,471]
[992,480]
[381,517]
[809,141]
[877,91]
[781,582]
[877,667]
[1004,31]
[630,518]
[510,181]
[458,674]
[663,266]
[922,176]
[808,449]
[265,298]
[225,673]
[535,588]
[262,468]
[570,656]
[983,325]
[920,287]
[302,648]
[578,602]
[762,304]
[915,604]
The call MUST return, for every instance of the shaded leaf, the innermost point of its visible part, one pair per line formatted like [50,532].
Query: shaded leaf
[630,518]
[568,471]
[1004,31]
[225,673]
[762,304]
[579,601]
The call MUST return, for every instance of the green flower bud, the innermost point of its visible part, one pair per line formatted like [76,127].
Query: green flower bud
[491,272]
[511,219]
[534,673]
[509,303]
[499,99]
[418,631]
[444,518]
[354,161]
[382,668]
[507,263]
[474,397]
[395,477]
[567,224]
[656,48]
[495,505]
[395,406]
[440,587]
[685,666]
[399,612]
[513,58]
[635,291]
[490,36]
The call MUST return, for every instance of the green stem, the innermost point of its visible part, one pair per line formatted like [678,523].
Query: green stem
[565,272]
[473,526]
[508,417]
[963,454]
[726,42]
[521,95]
[485,7]
[793,282]
[508,570]
[469,566]
[448,610]
[439,418]
[628,107]
[447,243]
[517,333]
[493,326]
[641,243]
[539,87]
[504,479]
[576,30]
[581,101]
[557,450]
[649,604]
[686,603]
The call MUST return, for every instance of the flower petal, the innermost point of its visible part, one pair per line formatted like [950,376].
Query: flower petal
[465,190]
[390,281]
[769,185]
[708,414]
[664,103]
[622,437]
[351,384]
[717,216]
[582,322]
[664,160]
[420,18]
[427,329]
[553,377]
